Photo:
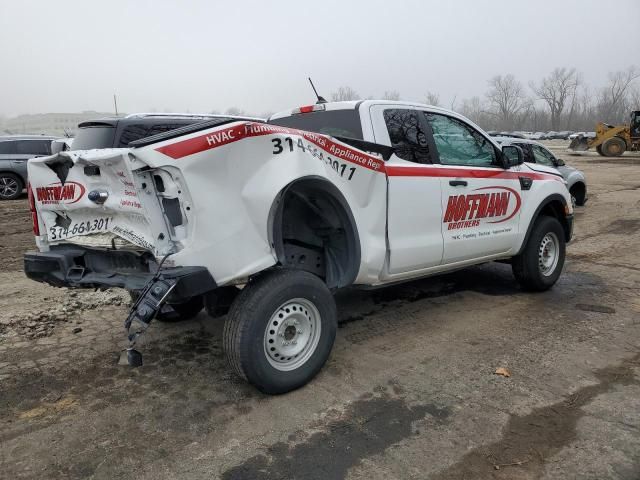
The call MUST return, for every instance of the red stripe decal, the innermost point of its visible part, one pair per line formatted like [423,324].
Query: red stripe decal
[435,171]
[218,138]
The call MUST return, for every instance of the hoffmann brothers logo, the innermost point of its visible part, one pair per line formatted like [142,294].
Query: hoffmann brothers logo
[465,211]
[57,193]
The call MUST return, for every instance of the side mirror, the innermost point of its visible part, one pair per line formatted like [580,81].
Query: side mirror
[513,155]
[559,162]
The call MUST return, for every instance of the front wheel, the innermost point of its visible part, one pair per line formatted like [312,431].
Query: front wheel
[280,330]
[614,147]
[539,265]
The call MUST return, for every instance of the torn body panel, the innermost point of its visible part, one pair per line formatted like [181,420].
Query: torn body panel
[94,193]
[235,174]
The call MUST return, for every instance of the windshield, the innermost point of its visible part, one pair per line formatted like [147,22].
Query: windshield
[99,136]
[337,123]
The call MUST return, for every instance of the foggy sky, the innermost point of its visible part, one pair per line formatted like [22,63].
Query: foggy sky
[199,55]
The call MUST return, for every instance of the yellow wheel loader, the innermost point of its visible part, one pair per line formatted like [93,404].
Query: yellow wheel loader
[611,141]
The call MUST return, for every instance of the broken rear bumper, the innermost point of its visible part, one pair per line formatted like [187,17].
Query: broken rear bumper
[78,267]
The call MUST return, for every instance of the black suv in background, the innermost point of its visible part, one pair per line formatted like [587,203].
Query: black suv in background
[15,150]
[119,132]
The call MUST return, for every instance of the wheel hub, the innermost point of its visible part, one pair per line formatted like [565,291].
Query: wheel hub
[548,254]
[8,187]
[292,334]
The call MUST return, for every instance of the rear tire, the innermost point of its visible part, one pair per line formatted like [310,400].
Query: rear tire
[10,186]
[579,194]
[614,147]
[540,264]
[280,330]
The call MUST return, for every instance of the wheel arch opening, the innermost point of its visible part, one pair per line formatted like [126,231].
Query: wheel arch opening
[578,190]
[555,207]
[313,229]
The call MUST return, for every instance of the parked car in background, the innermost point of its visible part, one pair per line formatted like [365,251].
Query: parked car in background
[507,134]
[537,153]
[15,150]
[536,136]
[118,132]
[584,134]
[564,135]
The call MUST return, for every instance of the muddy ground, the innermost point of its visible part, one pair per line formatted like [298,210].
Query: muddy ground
[409,391]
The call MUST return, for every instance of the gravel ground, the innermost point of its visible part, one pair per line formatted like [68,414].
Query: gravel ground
[409,390]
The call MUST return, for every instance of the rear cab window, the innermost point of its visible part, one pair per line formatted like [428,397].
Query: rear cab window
[336,123]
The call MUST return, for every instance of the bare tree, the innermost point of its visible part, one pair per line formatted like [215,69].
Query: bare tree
[432,99]
[558,90]
[476,111]
[613,99]
[391,95]
[506,98]
[344,93]
[634,97]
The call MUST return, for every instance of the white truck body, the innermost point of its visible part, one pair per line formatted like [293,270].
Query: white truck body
[387,192]
[228,178]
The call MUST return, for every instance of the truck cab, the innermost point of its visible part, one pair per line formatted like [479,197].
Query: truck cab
[454,198]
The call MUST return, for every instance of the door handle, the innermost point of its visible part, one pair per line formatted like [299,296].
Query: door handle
[458,183]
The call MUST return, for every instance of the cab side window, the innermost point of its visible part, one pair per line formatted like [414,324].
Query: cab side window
[408,136]
[459,144]
[528,154]
[542,156]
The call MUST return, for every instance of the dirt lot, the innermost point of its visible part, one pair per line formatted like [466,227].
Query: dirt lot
[409,391]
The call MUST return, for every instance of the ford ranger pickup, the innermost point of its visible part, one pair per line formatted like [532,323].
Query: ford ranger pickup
[262,221]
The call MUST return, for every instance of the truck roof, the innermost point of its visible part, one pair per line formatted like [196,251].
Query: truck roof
[357,104]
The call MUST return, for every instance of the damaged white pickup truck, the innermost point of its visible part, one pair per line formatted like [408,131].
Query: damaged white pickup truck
[266,219]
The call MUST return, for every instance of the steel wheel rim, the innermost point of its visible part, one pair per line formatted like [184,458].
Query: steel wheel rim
[548,254]
[292,334]
[8,186]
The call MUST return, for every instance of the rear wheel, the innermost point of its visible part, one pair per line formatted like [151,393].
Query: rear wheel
[539,265]
[280,330]
[614,147]
[578,194]
[10,186]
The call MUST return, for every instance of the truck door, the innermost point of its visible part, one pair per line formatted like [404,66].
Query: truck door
[481,199]
[414,210]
